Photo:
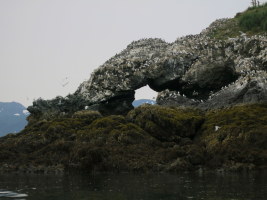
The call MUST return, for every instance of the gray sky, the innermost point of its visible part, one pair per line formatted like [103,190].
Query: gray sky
[48,47]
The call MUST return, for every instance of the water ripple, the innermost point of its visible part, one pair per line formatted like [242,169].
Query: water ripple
[10,194]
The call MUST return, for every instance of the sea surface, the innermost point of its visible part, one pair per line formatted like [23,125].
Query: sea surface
[185,186]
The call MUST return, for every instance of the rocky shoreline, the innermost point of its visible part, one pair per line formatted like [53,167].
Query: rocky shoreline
[149,138]
[211,110]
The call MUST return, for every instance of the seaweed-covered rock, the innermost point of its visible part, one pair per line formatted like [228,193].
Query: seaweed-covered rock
[167,124]
[236,135]
[149,138]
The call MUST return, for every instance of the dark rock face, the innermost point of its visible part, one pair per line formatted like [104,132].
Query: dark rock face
[59,106]
[215,82]
[118,105]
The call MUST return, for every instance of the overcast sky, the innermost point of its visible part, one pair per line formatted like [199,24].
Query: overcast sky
[48,47]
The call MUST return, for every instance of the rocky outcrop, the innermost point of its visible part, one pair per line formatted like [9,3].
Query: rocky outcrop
[249,64]
[202,70]
[200,79]
[196,70]
[149,138]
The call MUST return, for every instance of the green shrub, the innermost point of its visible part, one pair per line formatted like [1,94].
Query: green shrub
[254,19]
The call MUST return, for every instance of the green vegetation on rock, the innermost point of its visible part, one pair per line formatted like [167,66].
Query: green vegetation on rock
[167,123]
[149,138]
[252,21]
[227,29]
[236,136]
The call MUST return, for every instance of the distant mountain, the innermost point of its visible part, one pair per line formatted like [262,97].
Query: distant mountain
[12,117]
[139,102]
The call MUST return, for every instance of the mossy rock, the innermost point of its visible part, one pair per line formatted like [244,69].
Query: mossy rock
[237,134]
[229,28]
[114,129]
[89,115]
[149,138]
[167,123]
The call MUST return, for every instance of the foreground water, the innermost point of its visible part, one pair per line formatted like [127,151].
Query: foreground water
[208,186]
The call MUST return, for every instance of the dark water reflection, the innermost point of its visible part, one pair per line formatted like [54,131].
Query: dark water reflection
[208,186]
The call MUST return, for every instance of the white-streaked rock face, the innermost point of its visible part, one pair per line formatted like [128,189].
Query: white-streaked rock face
[196,66]
[192,71]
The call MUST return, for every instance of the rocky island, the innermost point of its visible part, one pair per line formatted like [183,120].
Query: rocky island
[211,110]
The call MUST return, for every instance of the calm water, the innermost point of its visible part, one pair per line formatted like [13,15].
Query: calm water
[135,186]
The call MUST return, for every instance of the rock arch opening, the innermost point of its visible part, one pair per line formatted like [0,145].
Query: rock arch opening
[144,95]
